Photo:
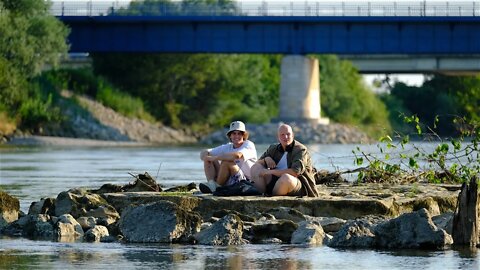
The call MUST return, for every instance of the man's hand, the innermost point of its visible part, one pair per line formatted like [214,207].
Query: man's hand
[264,172]
[269,163]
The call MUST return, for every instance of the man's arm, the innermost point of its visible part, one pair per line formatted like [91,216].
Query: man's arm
[232,156]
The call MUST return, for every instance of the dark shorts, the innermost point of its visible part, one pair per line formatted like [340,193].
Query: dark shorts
[297,191]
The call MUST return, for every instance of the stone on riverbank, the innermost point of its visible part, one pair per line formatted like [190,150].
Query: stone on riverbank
[409,231]
[309,233]
[96,234]
[164,217]
[159,222]
[226,231]
[68,228]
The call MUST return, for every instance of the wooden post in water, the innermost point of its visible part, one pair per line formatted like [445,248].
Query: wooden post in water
[465,230]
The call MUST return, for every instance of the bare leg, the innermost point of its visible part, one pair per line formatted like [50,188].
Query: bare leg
[211,169]
[285,184]
[227,168]
[259,182]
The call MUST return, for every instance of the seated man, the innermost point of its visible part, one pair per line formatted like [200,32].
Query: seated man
[285,168]
[229,163]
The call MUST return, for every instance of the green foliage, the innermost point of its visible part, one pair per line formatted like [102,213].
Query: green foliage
[453,161]
[121,102]
[37,109]
[200,90]
[190,7]
[30,38]
[84,82]
[439,98]
[346,99]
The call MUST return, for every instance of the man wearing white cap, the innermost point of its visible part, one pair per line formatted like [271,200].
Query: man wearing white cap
[229,163]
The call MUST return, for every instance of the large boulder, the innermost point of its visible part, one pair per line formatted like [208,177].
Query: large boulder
[79,203]
[329,224]
[44,206]
[9,209]
[444,221]
[411,230]
[281,229]
[96,234]
[226,231]
[159,222]
[354,234]
[35,226]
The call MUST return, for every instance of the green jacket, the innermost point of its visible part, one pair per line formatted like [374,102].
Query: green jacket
[299,160]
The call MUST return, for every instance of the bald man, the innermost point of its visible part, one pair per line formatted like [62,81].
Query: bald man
[286,168]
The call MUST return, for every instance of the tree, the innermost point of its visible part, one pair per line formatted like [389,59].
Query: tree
[202,90]
[440,98]
[30,38]
[346,99]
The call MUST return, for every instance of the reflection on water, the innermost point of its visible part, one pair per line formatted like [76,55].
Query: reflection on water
[28,254]
[31,173]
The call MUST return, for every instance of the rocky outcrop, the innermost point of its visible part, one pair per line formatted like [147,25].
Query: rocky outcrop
[344,201]
[372,216]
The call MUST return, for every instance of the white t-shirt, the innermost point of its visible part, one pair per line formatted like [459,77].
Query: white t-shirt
[247,149]
[282,164]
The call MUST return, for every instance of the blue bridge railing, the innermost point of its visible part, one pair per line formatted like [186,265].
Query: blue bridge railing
[268,8]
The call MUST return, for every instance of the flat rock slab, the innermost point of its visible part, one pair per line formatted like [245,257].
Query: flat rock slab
[343,201]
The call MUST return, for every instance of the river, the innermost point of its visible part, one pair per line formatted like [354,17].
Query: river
[31,173]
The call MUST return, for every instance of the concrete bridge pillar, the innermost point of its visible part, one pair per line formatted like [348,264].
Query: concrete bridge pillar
[300,90]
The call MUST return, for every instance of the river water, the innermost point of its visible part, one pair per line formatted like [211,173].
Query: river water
[31,173]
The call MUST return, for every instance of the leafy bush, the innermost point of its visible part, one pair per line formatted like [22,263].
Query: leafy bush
[454,161]
[36,111]
[121,102]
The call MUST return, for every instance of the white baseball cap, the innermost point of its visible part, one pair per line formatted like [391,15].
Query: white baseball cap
[236,125]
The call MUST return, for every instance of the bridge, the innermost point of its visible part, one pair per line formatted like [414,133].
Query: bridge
[396,37]
[377,36]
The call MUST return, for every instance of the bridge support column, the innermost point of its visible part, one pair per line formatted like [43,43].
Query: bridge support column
[300,90]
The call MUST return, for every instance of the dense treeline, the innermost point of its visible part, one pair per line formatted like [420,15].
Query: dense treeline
[198,91]
[30,39]
[437,103]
